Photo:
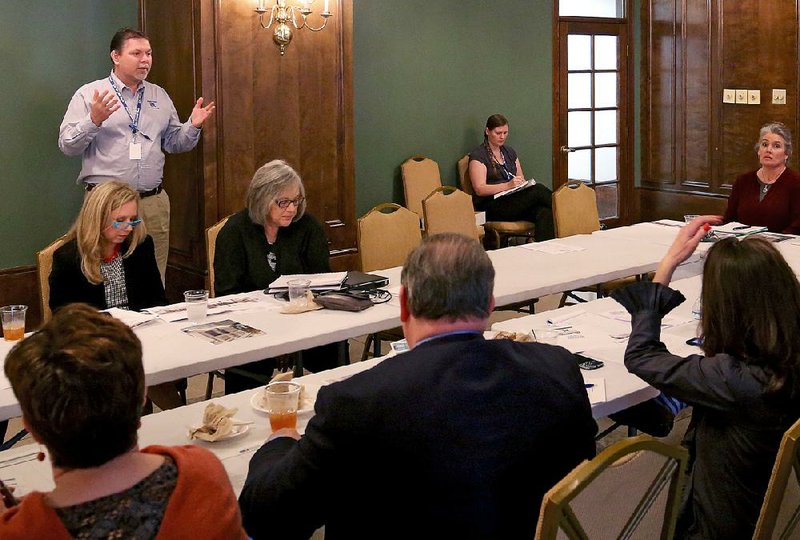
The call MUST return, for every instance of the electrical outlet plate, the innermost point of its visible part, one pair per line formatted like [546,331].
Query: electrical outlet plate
[729,95]
[741,96]
[779,96]
[753,97]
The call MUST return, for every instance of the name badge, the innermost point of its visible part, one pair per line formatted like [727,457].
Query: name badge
[135,150]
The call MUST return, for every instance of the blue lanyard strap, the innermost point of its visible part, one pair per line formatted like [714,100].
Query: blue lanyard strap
[134,125]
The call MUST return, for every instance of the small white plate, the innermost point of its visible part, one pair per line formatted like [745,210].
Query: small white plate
[238,430]
[257,403]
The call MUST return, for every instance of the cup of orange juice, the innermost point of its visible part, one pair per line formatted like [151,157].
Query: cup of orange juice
[282,400]
[13,319]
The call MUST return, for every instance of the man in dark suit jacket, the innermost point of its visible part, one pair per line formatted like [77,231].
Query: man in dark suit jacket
[458,438]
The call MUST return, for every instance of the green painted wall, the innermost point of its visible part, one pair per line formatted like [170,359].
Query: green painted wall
[428,74]
[48,50]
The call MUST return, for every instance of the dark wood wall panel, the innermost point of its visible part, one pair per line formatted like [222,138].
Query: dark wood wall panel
[695,133]
[20,285]
[691,141]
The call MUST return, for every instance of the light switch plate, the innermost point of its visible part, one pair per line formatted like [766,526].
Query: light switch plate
[753,97]
[779,96]
[729,95]
[741,96]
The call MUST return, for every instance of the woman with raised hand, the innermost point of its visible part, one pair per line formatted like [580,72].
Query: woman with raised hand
[744,388]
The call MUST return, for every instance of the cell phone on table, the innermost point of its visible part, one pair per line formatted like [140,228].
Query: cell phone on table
[588,363]
[8,498]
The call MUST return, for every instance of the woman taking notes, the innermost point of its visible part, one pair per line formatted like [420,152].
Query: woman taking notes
[494,167]
[108,260]
[769,196]
[744,388]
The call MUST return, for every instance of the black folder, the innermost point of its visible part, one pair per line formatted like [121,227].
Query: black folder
[360,281]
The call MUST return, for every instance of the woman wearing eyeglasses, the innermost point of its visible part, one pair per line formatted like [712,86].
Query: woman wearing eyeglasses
[271,237]
[494,167]
[108,260]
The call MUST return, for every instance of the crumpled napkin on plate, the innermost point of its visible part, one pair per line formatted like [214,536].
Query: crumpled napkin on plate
[514,336]
[218,423]
[310,305]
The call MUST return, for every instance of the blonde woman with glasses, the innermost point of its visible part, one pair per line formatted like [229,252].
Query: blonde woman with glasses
[108,260]
[271,237]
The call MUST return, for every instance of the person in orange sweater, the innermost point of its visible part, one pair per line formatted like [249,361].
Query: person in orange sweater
[80,384]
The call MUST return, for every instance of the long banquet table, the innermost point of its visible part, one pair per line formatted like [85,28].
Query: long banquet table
[522,274]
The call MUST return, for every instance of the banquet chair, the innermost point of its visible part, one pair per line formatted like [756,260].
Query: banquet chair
[575,212]
[780,513]
[44,264]
[631,490]
[448,209]
[420,176]
[211,245]
[385,236]
[502,231]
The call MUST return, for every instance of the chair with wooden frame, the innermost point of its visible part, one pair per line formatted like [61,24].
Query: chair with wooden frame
[448,209]
[502,231]
[575,212]
[780,513]
[632,489]
[211,246]
[44,264]
[420,176]
[386,235]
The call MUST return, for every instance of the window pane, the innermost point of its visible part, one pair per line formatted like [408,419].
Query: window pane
[579,165]
[605,127]
[579,52]
[605,165]
[605,90]
[580,91]
[605,52]
[591,8]
[578,130]
[607,200]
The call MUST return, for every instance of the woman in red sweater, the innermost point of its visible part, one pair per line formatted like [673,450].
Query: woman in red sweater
[80,384]
[769,196]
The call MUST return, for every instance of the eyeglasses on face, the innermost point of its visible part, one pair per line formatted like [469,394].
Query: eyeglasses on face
[125,224]
[283,204]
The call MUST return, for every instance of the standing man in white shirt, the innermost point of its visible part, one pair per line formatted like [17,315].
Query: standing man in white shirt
[122,125]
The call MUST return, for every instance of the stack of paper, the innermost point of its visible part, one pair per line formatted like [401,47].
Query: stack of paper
[329,281]
[527,184]
[737,228]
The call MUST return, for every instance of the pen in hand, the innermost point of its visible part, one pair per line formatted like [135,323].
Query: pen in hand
[8,498]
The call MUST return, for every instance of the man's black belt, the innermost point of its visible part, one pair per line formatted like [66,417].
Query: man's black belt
[142,194]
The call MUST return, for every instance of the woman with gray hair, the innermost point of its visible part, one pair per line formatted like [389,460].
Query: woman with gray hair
[770,196]
[271,237]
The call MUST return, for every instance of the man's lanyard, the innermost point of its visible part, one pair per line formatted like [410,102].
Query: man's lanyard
[134,125]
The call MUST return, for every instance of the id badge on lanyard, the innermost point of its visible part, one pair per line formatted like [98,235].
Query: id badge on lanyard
[134,148]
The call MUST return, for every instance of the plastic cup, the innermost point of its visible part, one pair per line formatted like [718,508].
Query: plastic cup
[282,401]
[298,289]
[547,336]
[13,318]
[196,305]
